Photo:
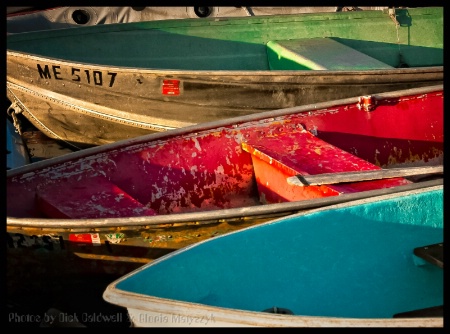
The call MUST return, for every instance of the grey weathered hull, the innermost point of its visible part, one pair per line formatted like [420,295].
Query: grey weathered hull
[109,108]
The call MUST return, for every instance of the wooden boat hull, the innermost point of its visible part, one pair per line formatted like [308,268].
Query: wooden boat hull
[73,95]
[191,184]
[349,265]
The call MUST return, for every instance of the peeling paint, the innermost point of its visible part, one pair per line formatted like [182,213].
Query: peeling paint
[206,169]
[119,198]
[194,169]
[115,238]
[197,144]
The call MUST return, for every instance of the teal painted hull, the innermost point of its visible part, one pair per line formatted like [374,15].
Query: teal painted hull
[353,261]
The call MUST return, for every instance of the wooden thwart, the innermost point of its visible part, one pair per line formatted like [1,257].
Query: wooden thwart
[320,53]
[434,311]
[434,254]
[334,178]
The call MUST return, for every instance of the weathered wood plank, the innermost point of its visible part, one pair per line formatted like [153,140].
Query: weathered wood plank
[434,254]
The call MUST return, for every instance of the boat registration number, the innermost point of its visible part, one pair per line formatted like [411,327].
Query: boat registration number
[92,77]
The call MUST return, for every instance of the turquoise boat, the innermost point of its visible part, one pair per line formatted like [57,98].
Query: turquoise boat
[99,84]
[376,262]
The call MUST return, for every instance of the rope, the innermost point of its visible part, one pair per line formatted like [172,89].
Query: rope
[13,110]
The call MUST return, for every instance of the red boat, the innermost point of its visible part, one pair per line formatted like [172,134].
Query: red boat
[123,204]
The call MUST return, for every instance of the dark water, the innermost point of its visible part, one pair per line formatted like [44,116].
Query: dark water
[36,296]
[68,302]
[39,146]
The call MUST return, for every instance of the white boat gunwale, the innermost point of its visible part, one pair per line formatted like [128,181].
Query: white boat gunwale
[137,303]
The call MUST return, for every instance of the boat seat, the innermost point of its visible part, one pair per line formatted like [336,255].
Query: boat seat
[433,254]
[90,197]
[275,158]
[434,311]
[318,54]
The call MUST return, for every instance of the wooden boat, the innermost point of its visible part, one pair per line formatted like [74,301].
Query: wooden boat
[117,206]
[25,19]
[356,264]
[131,79]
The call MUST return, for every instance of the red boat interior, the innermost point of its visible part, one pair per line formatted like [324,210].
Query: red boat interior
[238,165]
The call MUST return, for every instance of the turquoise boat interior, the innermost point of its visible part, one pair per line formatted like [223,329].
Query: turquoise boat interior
[354,261]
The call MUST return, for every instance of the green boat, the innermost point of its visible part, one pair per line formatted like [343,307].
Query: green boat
[99,84]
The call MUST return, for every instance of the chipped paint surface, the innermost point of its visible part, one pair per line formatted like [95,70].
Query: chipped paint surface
[20,240]
[115,238]
[207,169]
